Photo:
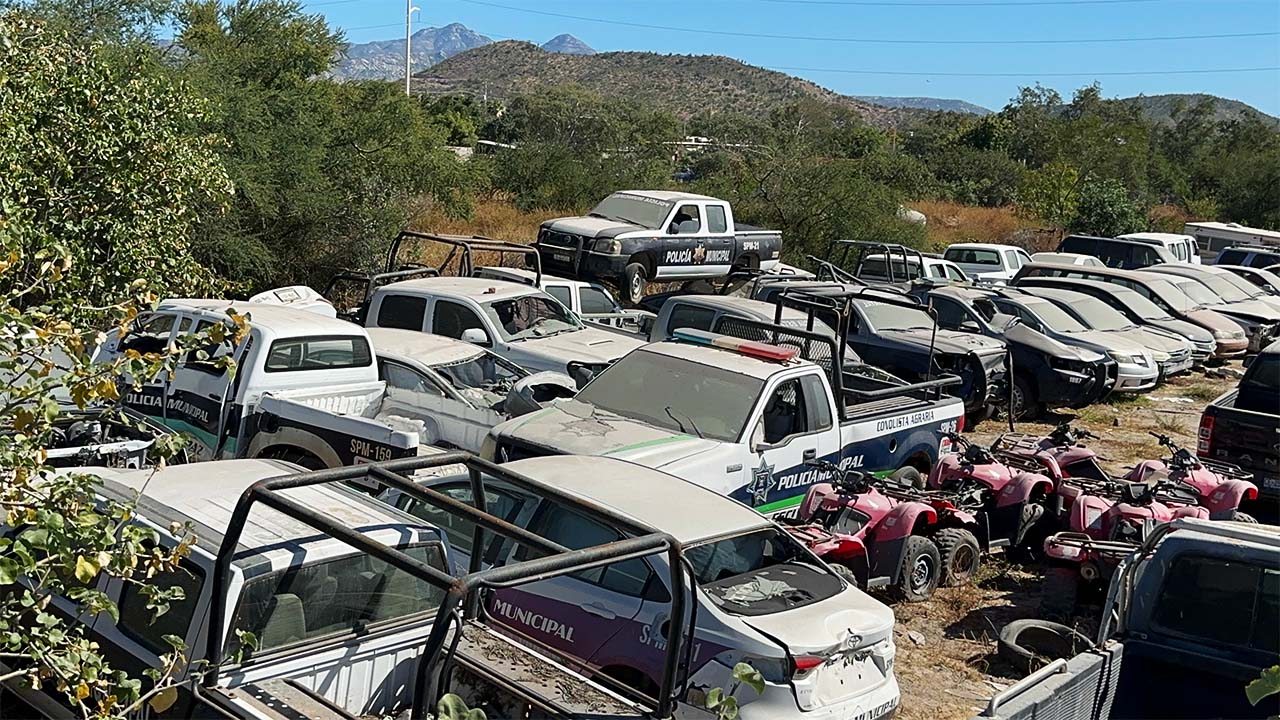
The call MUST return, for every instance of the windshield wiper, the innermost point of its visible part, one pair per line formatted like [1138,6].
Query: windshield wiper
[601,215]
[671,414]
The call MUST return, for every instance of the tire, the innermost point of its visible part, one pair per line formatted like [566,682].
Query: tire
[299,457]
[1024,405]
[920,571]
[908,476]
[1033,527]
[1029,643]
[847,573]
[1243,517]
[1058,593]
[633,282]
[961,556]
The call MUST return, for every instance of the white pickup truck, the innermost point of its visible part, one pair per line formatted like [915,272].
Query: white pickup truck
[742,417]
[988,262]
[306,387]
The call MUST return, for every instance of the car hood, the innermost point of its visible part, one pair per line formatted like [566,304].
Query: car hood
[821,627]
[1110,341]
[1156,340]
[1020,333]
[590,226]
[1250,310]
[949,341]
[589,345]
[573,427]
[1184,329]
[1211,319]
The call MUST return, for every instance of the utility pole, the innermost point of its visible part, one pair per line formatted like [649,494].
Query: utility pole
[408,38]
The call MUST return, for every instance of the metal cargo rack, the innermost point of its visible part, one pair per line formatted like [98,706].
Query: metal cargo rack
[461,249]
[462,601]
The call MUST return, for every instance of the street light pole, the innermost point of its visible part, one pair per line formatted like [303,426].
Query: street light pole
[408,38]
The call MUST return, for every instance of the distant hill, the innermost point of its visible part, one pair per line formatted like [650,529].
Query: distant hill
[926,103]
[683,84]
[384,59]
[1160,107]
[567,44]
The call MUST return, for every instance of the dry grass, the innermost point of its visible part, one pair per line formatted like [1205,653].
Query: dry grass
[952,223]
[493,217]
[1203,393]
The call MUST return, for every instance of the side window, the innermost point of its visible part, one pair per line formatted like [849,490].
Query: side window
[570,529]
[403,378]
[1084,246]
[562,295]
[785,414]
[151,335]
[815,398]
[460,530]
[1023,258]
[596,300]
[139,622]
[452,319]
[210,351]
[690,316]
[954,273]
[1144,256]
[1221,601]
[1011,258]
[1113,255]
[686,221]
[950,315]
[402,311]
[716,221]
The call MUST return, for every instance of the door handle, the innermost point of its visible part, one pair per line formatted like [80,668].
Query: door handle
[810,454]
[599,610]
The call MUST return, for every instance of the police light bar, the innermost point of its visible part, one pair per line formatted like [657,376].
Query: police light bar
[764,351]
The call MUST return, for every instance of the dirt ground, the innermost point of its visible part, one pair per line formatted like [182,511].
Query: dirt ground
[947,663]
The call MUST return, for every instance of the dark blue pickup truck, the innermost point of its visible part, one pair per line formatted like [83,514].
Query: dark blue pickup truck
[1242,427]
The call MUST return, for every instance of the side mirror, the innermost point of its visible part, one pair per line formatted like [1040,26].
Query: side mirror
[970,326]
[475,336]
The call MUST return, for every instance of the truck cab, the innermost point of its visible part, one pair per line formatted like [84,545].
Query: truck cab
[987,262]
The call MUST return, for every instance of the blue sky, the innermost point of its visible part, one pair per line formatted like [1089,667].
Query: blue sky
[865,66]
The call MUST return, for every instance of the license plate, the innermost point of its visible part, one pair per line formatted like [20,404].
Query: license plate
[558,257]
[1076,380]
[879,711]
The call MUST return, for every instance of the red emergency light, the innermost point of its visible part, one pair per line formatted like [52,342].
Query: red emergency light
[750,348]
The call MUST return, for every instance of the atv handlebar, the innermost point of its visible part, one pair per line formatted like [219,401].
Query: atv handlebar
[847,478]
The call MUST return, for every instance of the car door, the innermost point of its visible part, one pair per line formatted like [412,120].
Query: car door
[201,399]
[452,319]
[720,250]
[793,424]
[446,419]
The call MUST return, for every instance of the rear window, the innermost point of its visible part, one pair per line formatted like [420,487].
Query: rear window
[1225,602]
[970,256]
[337,596]
[760,573]
[1080,245]
[318,353]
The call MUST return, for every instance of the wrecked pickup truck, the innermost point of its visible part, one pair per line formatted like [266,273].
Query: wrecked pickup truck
[306,599]
[636,236]
[743,410]
[1192,617]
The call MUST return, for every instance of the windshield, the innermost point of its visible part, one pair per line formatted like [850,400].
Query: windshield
[893,317]
[1197,291]
[969,256]
[634,209]
[1055,317]
[1170,294]
[675,394]
[1222,287]
[760,573]
[1240,287]
[529,316]
[1098,315]
[484,379]
[1141,305]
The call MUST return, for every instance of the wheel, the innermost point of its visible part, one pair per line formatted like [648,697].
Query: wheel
[847,573]
[633,282]
[1027,644]
[908,476]
[921,569]
[1023,405]
[960,555]
[1244,518]
[1058,593]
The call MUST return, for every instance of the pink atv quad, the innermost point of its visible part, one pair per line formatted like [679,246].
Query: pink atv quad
[1106,521]
[1011,491]
[873,539]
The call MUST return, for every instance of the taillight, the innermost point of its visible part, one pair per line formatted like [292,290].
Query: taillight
[1206,435]
[801,664]
[960,424]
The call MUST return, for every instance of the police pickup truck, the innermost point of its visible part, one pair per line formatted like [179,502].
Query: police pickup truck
[634,236]
[742,412]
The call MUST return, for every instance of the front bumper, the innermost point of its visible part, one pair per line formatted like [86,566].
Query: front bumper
[1231,348]
[570,255]
[1136,378]
[1178,363]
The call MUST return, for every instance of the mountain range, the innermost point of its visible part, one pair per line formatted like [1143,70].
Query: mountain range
[456,58]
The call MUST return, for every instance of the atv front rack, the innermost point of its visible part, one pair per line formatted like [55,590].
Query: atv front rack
[1106,548]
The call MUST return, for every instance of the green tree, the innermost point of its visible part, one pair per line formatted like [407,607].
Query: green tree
[104,175]
[1051,194]
[1105,209]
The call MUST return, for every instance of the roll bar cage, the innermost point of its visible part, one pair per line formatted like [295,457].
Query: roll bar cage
[862,249]
[462,248]
[462,593]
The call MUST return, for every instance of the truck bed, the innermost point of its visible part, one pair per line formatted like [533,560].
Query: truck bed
[1246,438]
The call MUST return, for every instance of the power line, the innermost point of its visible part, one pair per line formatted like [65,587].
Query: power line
[1194,71]
[878,41]
[966,3]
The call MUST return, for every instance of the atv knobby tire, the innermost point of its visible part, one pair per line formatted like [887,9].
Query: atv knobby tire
[920,571]
[847,573]
[1058,593]
[961,556]
[1244,518]
[1028,644]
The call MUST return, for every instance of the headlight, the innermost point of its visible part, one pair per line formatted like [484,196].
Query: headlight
[1228,334]
[1161,356]
[1127,358]
[609,247]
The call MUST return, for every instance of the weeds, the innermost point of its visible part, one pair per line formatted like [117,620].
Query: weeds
[1204,393]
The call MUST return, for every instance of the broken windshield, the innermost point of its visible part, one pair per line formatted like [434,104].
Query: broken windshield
[676,394]
[635,209]
[484,379]
[529,316]
[759,573]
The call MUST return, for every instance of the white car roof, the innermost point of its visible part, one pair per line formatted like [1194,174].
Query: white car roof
[479,289]
[529,275]
[1159,237]
[205,494]
[1056,256]
[688,512]
[273,320]
[983,246]
[1235,228]
[666,195]
[716,357]
[424,348]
